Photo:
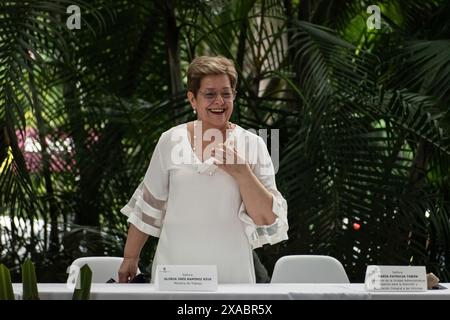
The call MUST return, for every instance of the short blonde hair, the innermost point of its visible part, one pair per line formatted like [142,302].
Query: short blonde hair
[204,66]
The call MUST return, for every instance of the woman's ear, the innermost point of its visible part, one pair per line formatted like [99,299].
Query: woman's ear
[191,99]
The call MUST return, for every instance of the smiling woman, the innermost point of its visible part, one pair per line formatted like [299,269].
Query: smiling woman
[211,90]
[218,204]
[214,103]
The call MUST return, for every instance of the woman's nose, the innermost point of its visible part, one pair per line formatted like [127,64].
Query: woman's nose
[219,99]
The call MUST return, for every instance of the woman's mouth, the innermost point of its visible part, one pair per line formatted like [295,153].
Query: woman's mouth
[217,110]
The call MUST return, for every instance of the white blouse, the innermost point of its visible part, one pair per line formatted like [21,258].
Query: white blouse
[197,211]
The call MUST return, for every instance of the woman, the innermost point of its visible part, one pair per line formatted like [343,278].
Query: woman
[209,192]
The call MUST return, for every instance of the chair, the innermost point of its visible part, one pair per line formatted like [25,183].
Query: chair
[103,268]
[308,269]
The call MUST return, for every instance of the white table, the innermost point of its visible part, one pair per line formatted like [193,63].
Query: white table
[278,291]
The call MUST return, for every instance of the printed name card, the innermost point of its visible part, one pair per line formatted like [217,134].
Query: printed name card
[395,278]
[186,278]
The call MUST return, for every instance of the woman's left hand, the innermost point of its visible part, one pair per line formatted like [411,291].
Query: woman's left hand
[229,160]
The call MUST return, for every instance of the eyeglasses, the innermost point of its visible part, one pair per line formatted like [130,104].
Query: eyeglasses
[211,96]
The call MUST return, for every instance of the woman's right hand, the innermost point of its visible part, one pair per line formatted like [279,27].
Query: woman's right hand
[128,269]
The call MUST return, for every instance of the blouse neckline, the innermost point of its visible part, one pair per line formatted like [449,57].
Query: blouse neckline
[192,152]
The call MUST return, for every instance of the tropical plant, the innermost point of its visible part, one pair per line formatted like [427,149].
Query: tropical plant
[29,282]
[362,114]
[6,289]
[84,292]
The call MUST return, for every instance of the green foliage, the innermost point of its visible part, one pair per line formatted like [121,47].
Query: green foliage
[29,282]
[6,290]
[363,118]
[84,292]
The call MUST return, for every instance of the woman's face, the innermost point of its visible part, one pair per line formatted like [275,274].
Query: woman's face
[214,101]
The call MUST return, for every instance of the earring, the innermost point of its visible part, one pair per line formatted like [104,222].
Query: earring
[194,111]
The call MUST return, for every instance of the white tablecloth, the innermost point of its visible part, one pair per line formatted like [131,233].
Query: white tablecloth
[278,291]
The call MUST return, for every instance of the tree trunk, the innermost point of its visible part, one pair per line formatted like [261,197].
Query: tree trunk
[173,51]
[87,210]
[46,163]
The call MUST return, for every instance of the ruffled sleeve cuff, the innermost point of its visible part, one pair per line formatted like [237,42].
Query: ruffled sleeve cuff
[142,215]
[140,225]
[268,234]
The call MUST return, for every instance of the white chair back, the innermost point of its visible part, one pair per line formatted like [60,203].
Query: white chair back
[103,268]
[308,269]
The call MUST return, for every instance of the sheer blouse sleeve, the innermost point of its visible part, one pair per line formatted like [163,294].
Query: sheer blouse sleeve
[147,207]
[276,232]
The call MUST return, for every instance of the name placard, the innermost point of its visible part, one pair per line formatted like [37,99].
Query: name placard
[395,278]
[186,278]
